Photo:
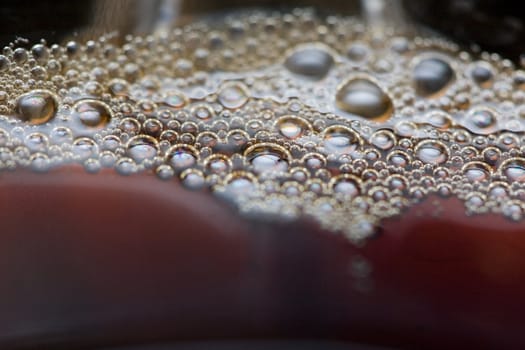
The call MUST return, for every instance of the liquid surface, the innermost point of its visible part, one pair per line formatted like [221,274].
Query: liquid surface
[283,115]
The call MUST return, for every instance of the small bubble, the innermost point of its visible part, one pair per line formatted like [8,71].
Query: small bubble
[431,152]
[512,210]
[165,172]
[218,164]
[192,179]
[340,140]
[37,142]
[399,159]
[383,139]
[491,155]
[85,148]
[498,190]
[439,120]
[175,100]
[203,112]
[292,127]
[233,95]
[314,161]
[118,87]
[181,157]
[4,63]
[129,125]
[142,147]
[40,53]
[514,169]
[357,52]
[310,62]
[239,183]
[37,106]
[40,162]
[364,98]
[92,166]
[476,171]
[431,76]
[92,113]
[481,119]
[61,135]
[346,185]
[126,166]
[482,74]
[20,55]
[266,157]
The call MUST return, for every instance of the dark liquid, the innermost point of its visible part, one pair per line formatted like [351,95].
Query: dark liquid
[350,203]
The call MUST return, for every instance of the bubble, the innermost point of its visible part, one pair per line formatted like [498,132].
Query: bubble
[4,63]
[203,112]
[37,106]
[514,169]
[20,55]
[4,137]
[431,76]
[406,129]
[439,120]
[107,159]
[92,166]
[153,127]
[482,74]
[491,155]
[118,87]
[313,161]
[181,157]
[346,185]
[92,113]
[293,127]
[498,190]
[93,88]
[513,210]
[233,95]
[61,135]
[175,100]
[164,172]
[85,148]
[482,120]
[218,164]
[399,159]
[192,179]
[40,162]
[207,139]
[142,147]
[475,201]
[340,140]
[357,52]
[239,183]
[508,141]
[129,125]
[236,140]
[126,166]
[397,183]
[431,152]
[37,142]
[266,157]
[383,139]
[310,62]
[476,171]
[72,48]
[364,98]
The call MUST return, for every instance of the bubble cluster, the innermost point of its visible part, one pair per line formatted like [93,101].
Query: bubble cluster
[283,115]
